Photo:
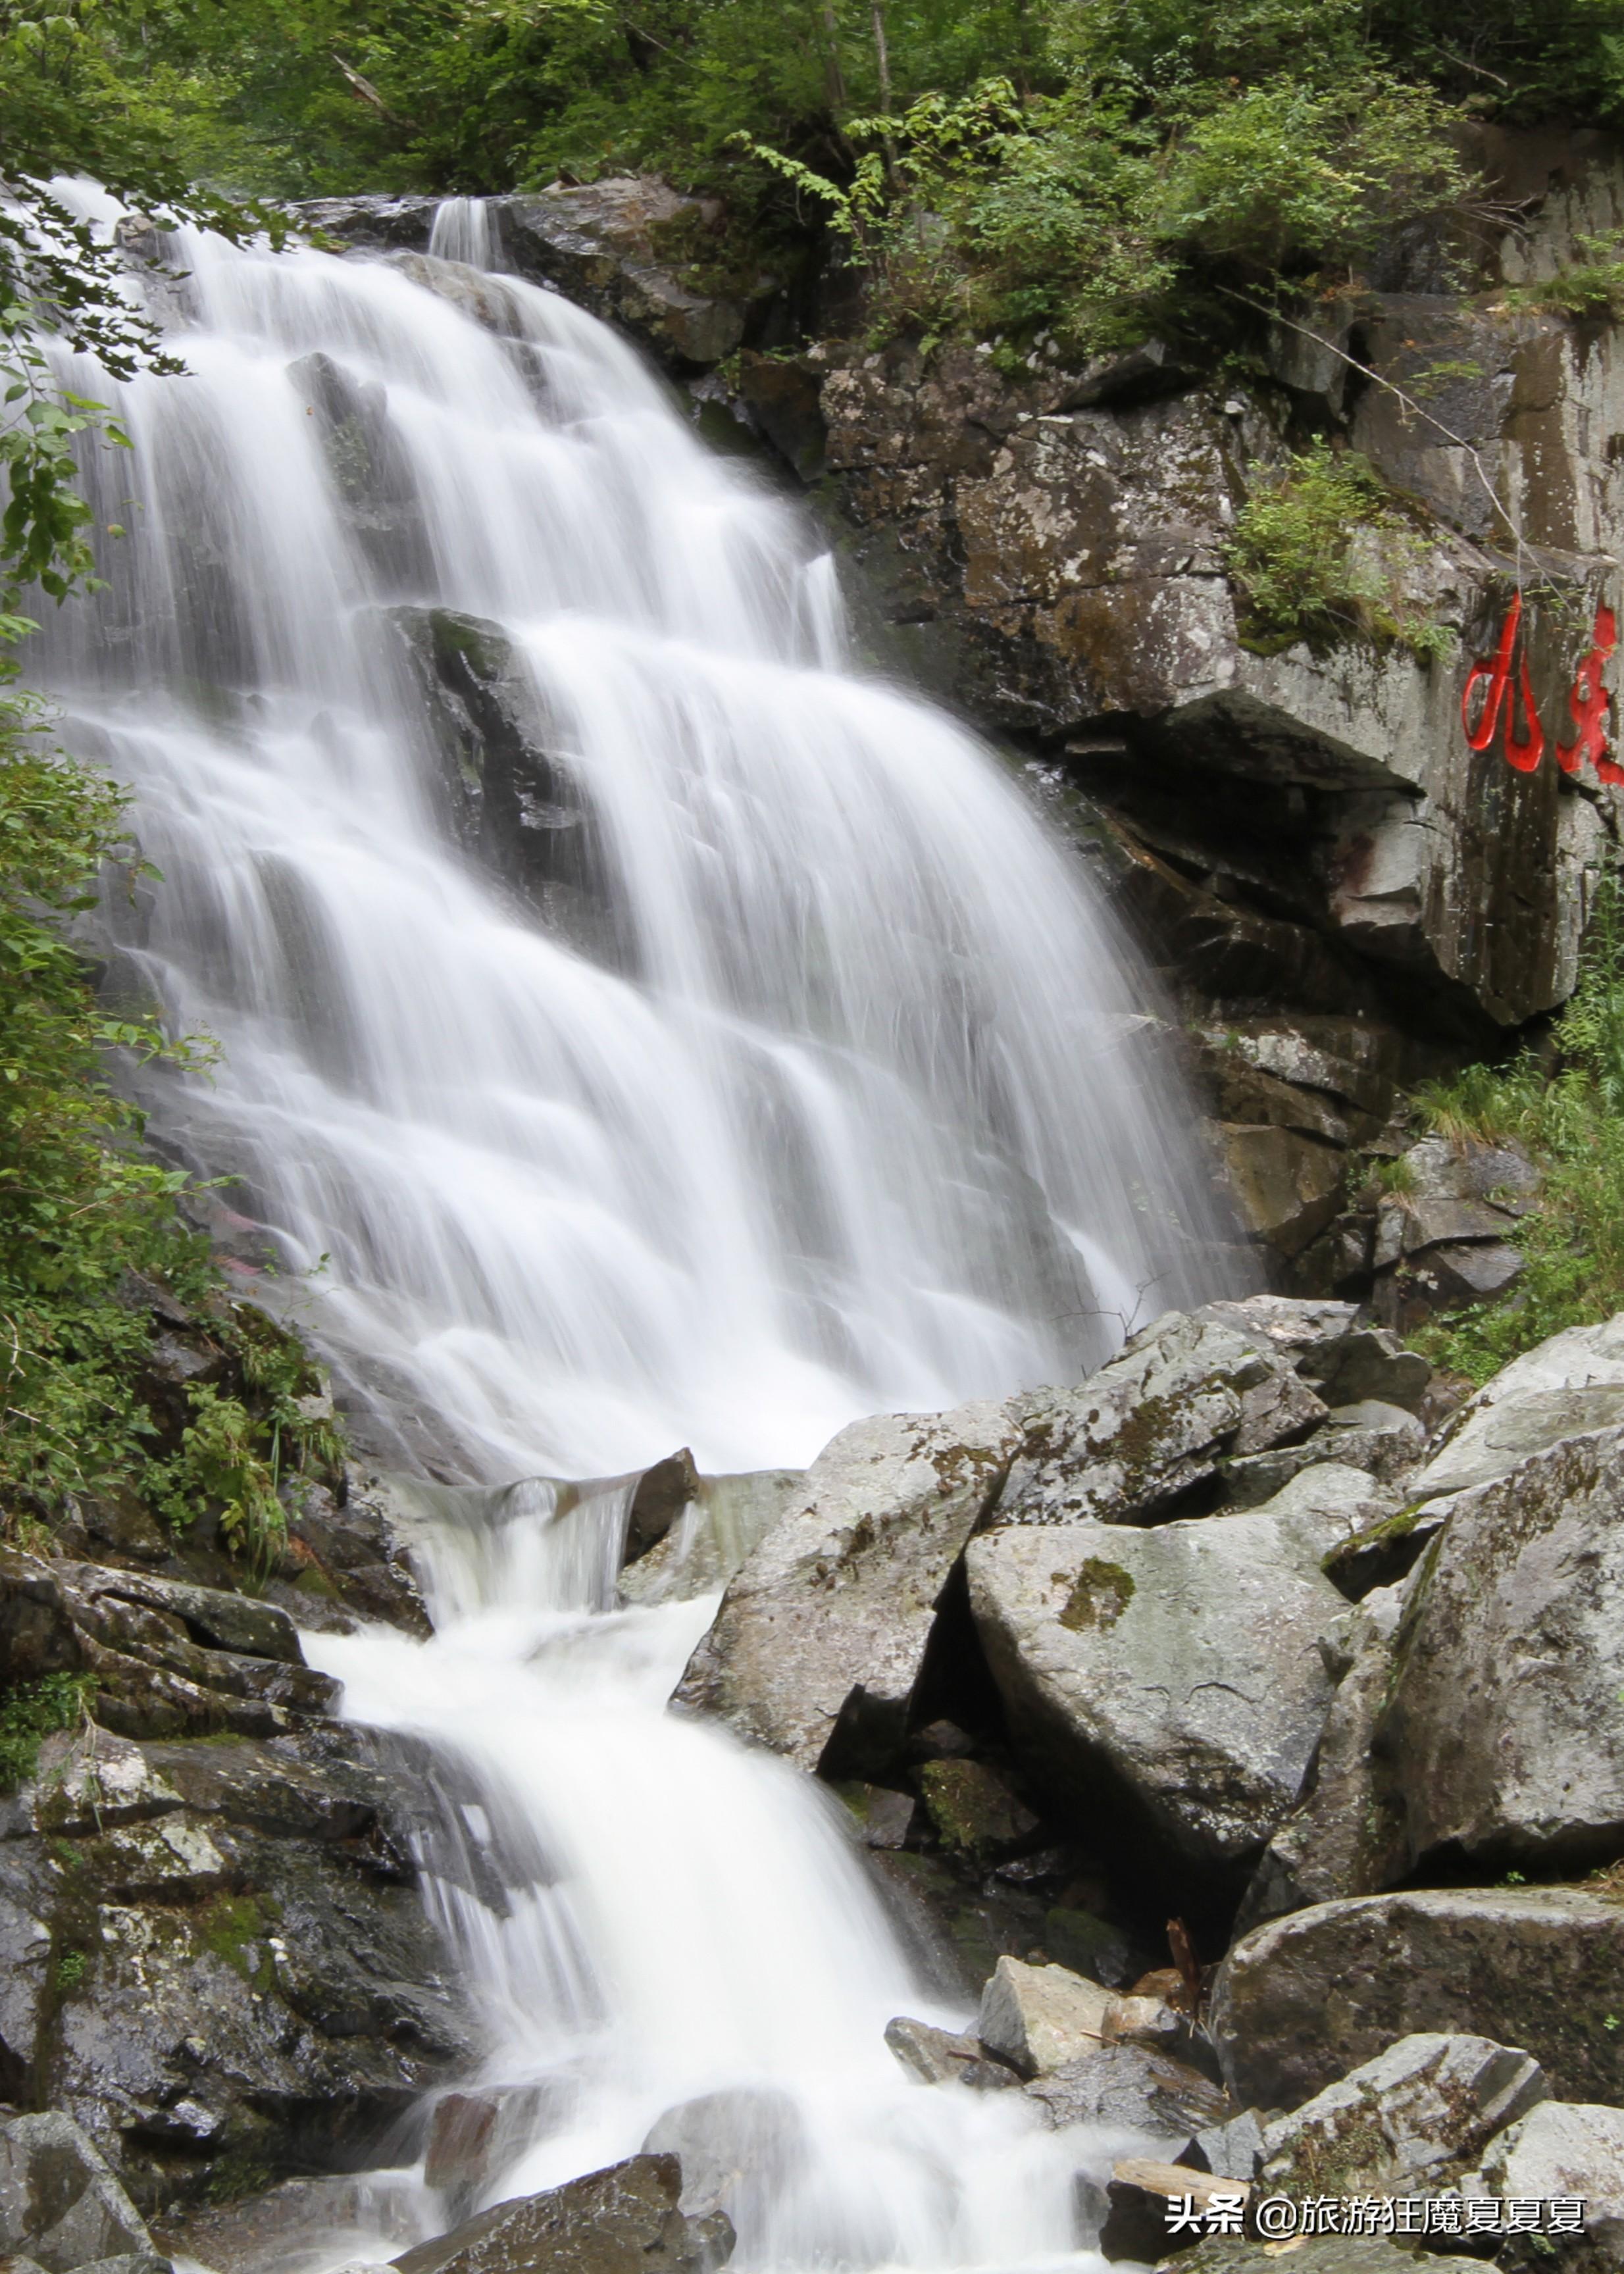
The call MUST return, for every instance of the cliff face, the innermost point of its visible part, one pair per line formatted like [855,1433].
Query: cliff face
[1341,889]
[1059,546]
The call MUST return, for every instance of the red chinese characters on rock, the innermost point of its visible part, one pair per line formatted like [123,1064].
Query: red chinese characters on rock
[1491,690]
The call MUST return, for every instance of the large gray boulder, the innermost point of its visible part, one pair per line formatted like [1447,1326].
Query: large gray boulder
[1564,2148]
[821,1637]
[1153,1424]
[624,2220]
[1183,1674]
[1344,1839]
[1503,1738]
[1409,2122]
[1038,2018]
[59,2201]
[1571,1383]
[1302,2001]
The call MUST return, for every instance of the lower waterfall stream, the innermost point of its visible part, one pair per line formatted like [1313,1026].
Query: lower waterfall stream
[798,1078]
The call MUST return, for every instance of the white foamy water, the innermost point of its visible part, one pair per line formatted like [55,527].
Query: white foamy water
[806,1081]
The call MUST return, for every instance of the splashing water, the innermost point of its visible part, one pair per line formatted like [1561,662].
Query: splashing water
[796,1077]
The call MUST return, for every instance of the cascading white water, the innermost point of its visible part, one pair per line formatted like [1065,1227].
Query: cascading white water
[855,1116]
[816,1088]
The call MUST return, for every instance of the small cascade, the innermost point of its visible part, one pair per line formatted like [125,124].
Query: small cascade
[687,1950]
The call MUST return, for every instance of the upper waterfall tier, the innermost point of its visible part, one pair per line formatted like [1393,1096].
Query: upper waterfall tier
[790,1070]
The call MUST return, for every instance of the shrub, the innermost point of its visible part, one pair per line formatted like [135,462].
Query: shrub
[1592,290]
[1323,552]
[86,1222]
[1571,1124]
[29,1714]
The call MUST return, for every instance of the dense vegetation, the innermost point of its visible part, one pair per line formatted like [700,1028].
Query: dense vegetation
[1064,169]
[1564,1105]
[90,1237]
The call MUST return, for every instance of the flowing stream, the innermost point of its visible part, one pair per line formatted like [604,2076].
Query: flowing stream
[797,1076]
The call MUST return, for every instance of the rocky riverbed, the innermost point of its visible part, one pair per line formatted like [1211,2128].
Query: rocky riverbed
[1235,1633]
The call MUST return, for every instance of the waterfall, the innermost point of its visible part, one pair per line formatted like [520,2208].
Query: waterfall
[648,1030]
[801,1076]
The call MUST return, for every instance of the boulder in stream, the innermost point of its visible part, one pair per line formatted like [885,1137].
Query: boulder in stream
[1038,2018]
[627,2219]
[1149,1428]
[821,1637]
[1180,1676]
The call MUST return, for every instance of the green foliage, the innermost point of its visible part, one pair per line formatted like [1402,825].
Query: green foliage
[32,1712]
[1571,1124]
[86,1222]
[1592,290]
[1323,552]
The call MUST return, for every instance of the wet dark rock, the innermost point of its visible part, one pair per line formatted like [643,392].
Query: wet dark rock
[474,2136]
[351,1556]
[220,1964]
[820,1640]
[1130,2089]
[133,1635]
[885,1818]
[634,251]
[1139,2196]
[1303,1999]
[781,397]
[369,469]
[624,2220]
[663,1494]
[377,224]
[507,785]
[972,1809]
[727,1517]
[956,1929]
[296,2222]
[59,2201]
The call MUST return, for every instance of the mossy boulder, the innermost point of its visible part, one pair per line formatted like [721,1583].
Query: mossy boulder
[1303,2000]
